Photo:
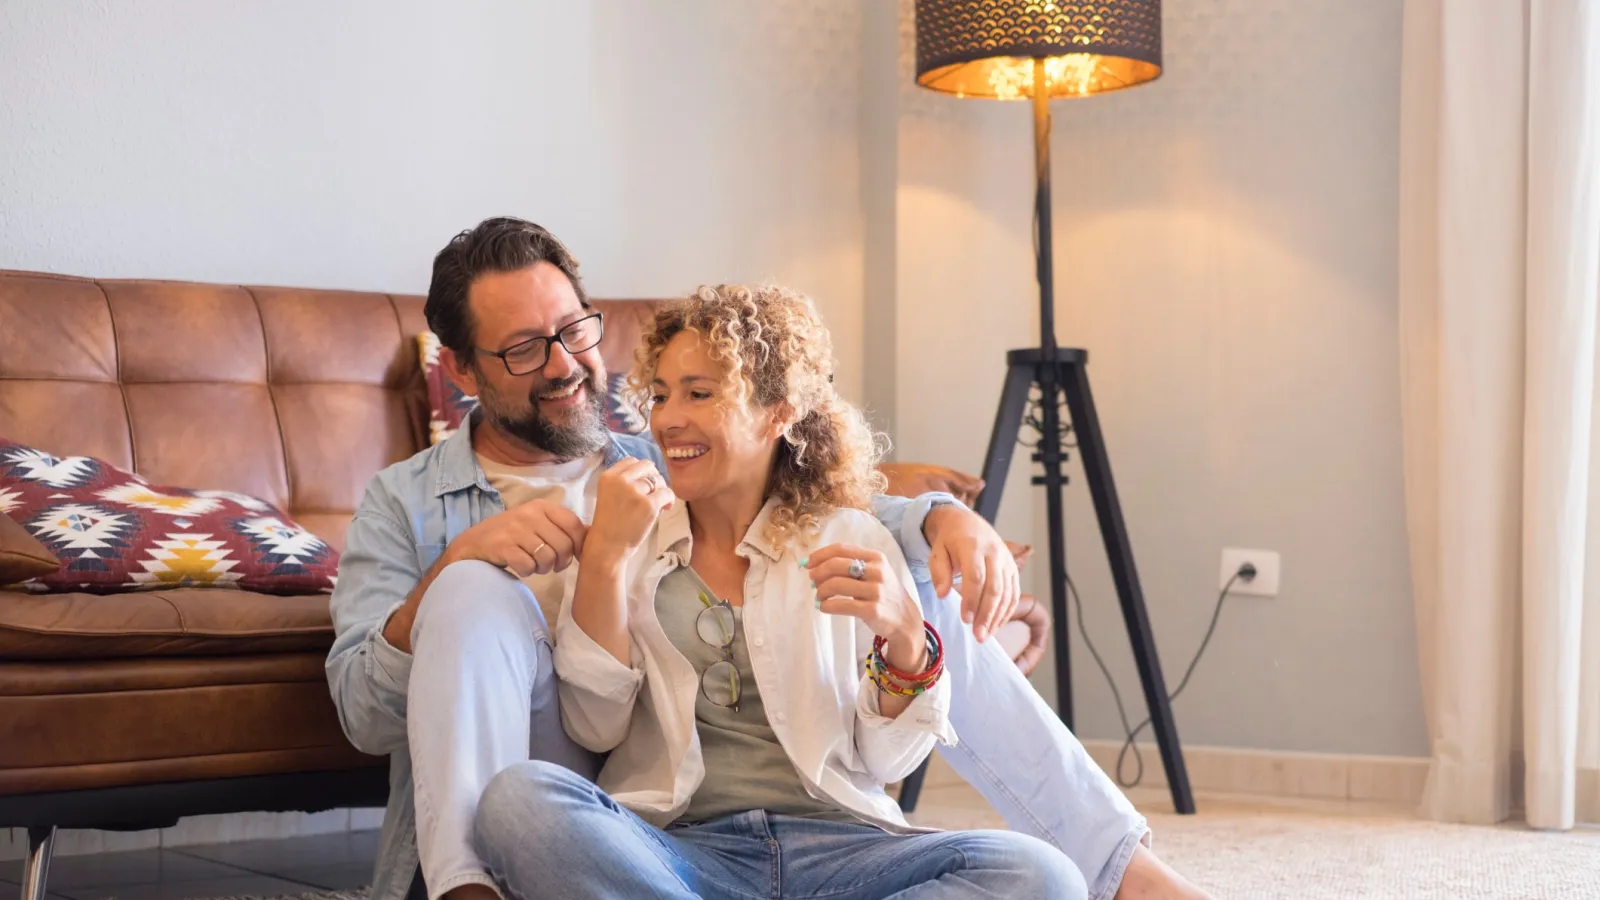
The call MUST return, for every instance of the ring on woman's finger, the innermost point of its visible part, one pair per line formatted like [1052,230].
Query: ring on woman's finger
[858,569]
[650,484]
[535,553]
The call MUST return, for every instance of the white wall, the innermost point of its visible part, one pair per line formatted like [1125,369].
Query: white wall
[1225,248]
[341,144]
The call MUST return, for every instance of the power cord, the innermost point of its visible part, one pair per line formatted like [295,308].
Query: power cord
[1246,572]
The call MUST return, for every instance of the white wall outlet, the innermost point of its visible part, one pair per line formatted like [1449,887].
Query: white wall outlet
[1265,584]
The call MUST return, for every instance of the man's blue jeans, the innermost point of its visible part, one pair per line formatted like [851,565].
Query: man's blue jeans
[545,831]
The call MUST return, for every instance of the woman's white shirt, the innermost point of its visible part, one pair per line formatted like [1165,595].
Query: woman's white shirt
[808,667]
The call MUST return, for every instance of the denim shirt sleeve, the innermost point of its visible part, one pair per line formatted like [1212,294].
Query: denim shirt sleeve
[366,674]
[904,517]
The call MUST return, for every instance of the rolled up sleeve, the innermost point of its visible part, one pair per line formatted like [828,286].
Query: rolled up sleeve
[891,749]
[597,691]
[905,518]
[368,677]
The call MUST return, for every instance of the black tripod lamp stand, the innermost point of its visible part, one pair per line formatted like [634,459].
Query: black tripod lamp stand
[1039,49]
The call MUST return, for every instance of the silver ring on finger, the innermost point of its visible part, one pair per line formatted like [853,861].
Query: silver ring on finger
[650,484]
[535,553]
[858,569]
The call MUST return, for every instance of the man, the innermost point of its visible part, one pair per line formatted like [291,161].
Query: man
[460,557]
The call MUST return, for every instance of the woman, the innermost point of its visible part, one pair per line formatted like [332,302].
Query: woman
[747,647]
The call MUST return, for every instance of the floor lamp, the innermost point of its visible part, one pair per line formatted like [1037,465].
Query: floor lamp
[1040,49]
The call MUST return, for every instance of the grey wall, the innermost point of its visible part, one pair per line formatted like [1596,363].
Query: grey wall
[1225,249]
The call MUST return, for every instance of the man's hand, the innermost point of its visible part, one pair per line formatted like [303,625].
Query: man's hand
[536,538]
[916,479]
[964,544]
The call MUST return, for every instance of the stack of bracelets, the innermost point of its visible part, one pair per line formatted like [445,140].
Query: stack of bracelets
[906,684]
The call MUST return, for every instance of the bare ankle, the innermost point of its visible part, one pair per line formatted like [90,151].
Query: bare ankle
[471,892]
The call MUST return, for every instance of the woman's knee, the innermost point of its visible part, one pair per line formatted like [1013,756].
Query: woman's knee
[528,804]
[1026,866]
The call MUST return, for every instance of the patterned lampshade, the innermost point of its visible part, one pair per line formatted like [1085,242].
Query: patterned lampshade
[985,48]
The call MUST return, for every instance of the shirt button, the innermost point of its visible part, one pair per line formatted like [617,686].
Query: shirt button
[760,642]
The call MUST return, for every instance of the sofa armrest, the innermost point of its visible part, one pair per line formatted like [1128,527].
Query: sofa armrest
[913,479]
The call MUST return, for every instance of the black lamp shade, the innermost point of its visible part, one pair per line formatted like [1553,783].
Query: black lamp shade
[986,48]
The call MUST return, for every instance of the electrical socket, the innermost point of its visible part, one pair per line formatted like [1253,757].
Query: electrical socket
[1265,584]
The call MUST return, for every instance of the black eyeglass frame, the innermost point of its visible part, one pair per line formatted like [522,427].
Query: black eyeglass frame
[548,339]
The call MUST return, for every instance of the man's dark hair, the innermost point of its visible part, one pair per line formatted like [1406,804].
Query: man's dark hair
[502,244]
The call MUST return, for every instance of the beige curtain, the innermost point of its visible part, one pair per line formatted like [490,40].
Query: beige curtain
[1500,264]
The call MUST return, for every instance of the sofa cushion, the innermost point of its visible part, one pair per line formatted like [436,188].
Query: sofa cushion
[448,406]
[115,532]
[174,720]
[183,622]
[21,554]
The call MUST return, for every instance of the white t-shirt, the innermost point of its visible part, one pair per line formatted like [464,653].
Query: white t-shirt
[572,484]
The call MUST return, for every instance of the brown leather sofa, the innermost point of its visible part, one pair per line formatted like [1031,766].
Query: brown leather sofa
[132,710]
[129,711]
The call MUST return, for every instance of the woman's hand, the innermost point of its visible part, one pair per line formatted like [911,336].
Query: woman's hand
[631,495]
[877,598]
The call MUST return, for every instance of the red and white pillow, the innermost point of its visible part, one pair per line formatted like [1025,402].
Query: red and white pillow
[113,531]
[448,407]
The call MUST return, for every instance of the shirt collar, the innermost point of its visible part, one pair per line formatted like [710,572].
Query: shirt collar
[677,539]
[459,468]
[458,465]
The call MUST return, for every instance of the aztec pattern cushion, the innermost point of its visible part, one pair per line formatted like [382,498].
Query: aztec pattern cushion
[113,531]
[448,407]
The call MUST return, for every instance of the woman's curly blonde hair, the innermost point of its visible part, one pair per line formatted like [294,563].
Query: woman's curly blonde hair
[777,351]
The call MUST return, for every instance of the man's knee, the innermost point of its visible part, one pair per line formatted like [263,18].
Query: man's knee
[1029,867]
[523,802]
[477,598]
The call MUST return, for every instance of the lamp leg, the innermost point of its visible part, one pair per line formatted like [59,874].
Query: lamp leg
[1003,439]
[1119,552]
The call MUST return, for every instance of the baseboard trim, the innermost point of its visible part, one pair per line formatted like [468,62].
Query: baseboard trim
[1265,773]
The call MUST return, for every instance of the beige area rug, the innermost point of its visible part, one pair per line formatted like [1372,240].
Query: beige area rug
[1243,851]
[1240,851]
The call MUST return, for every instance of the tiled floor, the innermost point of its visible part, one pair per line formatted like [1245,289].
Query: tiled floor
[260,868]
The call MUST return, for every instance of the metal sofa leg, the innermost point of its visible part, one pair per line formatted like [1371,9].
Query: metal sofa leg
[36,871]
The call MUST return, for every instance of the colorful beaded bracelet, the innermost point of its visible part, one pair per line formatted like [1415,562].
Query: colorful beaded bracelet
[906,684]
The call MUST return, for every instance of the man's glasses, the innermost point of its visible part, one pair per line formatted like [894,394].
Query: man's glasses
[529,356]
[720,682]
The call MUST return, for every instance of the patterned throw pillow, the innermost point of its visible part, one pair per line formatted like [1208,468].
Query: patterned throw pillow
[113,531]
[448,407]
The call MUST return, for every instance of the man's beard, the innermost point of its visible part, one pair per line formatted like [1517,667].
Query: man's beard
[583,433]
